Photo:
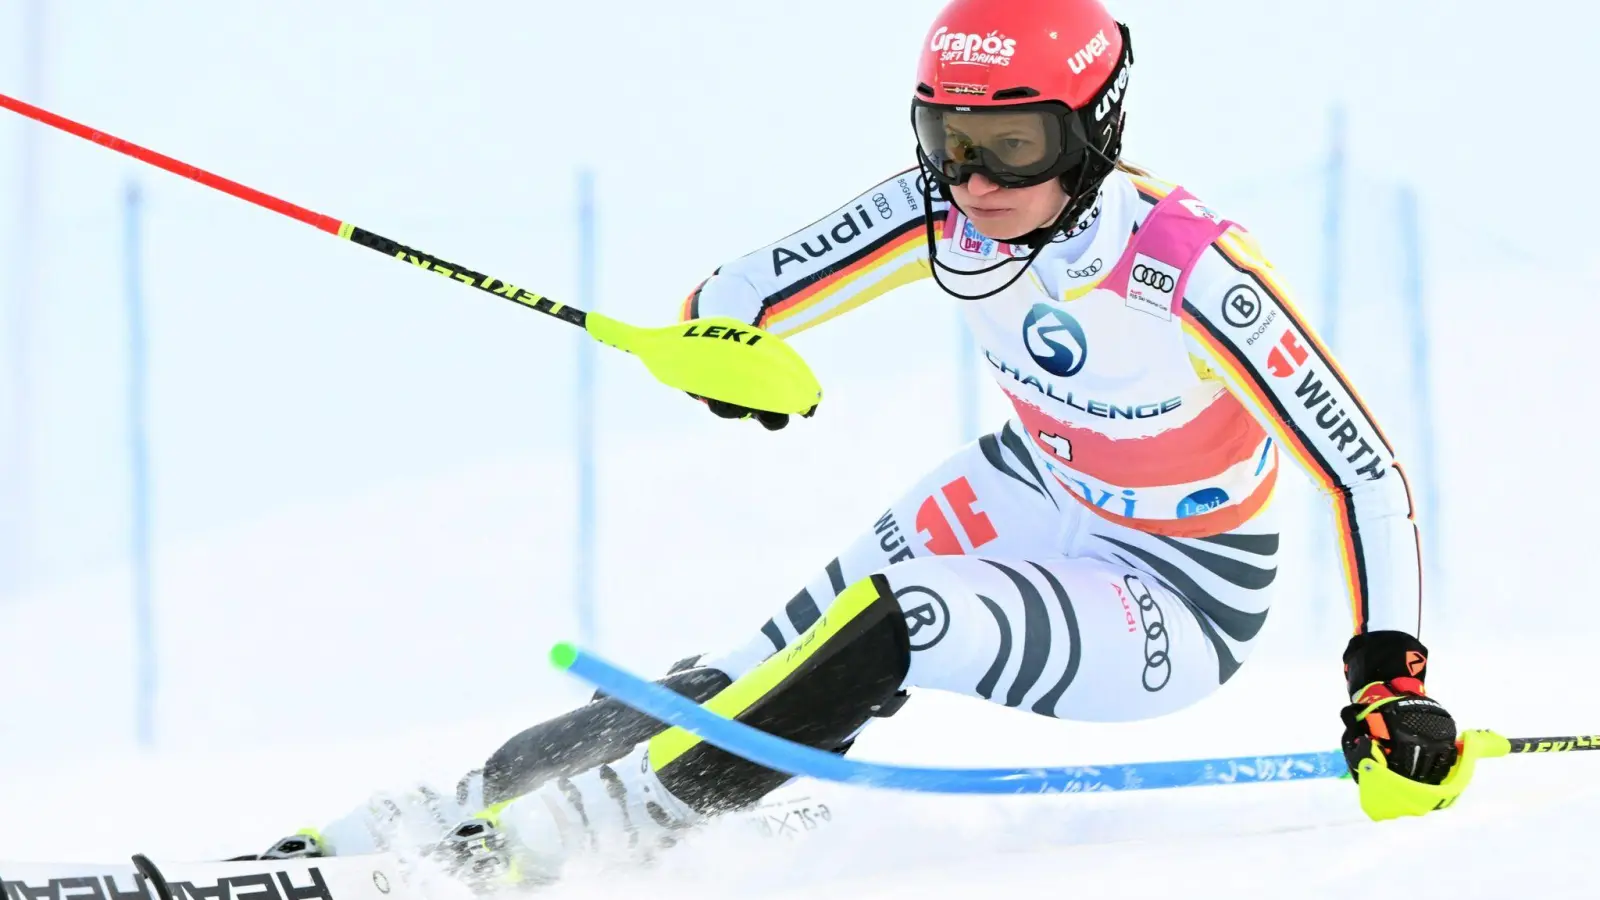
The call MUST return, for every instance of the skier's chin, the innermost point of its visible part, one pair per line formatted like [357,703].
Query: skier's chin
[1001,224]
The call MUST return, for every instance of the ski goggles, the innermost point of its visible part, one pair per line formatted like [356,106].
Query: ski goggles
[1012,146]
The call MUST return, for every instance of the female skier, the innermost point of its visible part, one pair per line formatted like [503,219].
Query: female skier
[1104,556]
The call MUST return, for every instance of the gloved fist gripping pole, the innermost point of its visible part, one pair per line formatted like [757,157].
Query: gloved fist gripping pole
[1401,745]
[1390,711]
[717,358]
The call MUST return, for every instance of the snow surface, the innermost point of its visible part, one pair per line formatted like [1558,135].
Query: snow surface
[362,477]
[1526,825]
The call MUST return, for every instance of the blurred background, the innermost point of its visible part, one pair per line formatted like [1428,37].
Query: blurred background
[259,488]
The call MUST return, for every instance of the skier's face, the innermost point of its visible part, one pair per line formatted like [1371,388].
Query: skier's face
[1007,213]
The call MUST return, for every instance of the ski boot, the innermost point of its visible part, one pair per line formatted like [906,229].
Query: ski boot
[611,784]
[477,853]
[616,813]
[405,823]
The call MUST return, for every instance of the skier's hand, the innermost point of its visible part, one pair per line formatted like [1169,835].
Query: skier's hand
[1414,734]
[769,420]
[1389,708]
[1392,728]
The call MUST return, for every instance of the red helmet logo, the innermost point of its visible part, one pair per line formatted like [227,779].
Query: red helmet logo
[1091,51]
[1064,50]
[992,49]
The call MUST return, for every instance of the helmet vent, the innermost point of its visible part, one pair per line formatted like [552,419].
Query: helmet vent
[1016,93]
[925,90]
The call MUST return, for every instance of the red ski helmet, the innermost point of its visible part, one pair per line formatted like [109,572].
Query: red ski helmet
[1023,91]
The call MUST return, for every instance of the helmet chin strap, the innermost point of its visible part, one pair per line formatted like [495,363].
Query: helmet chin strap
[1033,240]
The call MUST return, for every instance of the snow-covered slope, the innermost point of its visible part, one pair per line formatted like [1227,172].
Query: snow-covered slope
[1524,825]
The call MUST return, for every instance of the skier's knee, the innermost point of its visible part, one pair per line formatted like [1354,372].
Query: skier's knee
[846,668]
[919,587]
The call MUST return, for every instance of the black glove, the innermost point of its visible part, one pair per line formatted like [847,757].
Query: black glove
[772,421]
[1384,671]
[769,420]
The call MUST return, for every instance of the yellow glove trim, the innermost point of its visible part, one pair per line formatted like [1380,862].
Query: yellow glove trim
[1373,706]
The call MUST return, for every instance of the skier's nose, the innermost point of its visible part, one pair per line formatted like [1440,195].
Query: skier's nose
[979,185]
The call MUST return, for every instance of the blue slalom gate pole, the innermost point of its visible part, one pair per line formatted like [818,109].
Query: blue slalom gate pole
[17,310]
[584,438]
[786,756]
[1333,227]
[1410,228]
[966,378]
[144,628]
[1324,565]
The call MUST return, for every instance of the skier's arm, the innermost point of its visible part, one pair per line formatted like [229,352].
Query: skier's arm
[862,250]
[1240,320]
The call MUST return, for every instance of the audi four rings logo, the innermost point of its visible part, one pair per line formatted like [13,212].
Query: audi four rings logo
[882,203]
[1157,664]
[1149,277]
[1086,271]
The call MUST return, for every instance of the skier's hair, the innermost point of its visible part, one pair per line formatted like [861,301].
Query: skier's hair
[1132,169]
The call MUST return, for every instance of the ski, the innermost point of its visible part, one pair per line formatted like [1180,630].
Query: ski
[376,876]
[789,817]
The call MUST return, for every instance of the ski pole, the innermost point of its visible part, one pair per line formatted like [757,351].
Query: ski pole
[1555,744]
[720,358]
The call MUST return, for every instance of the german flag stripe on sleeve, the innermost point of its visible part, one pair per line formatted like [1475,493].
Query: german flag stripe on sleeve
[838,262]
[1416,533]
[1232,250]
[817,288]
[1257,393]
[691,304]
[1150,190]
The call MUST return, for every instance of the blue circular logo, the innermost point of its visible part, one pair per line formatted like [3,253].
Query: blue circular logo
[1201,501]
[1054,340]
